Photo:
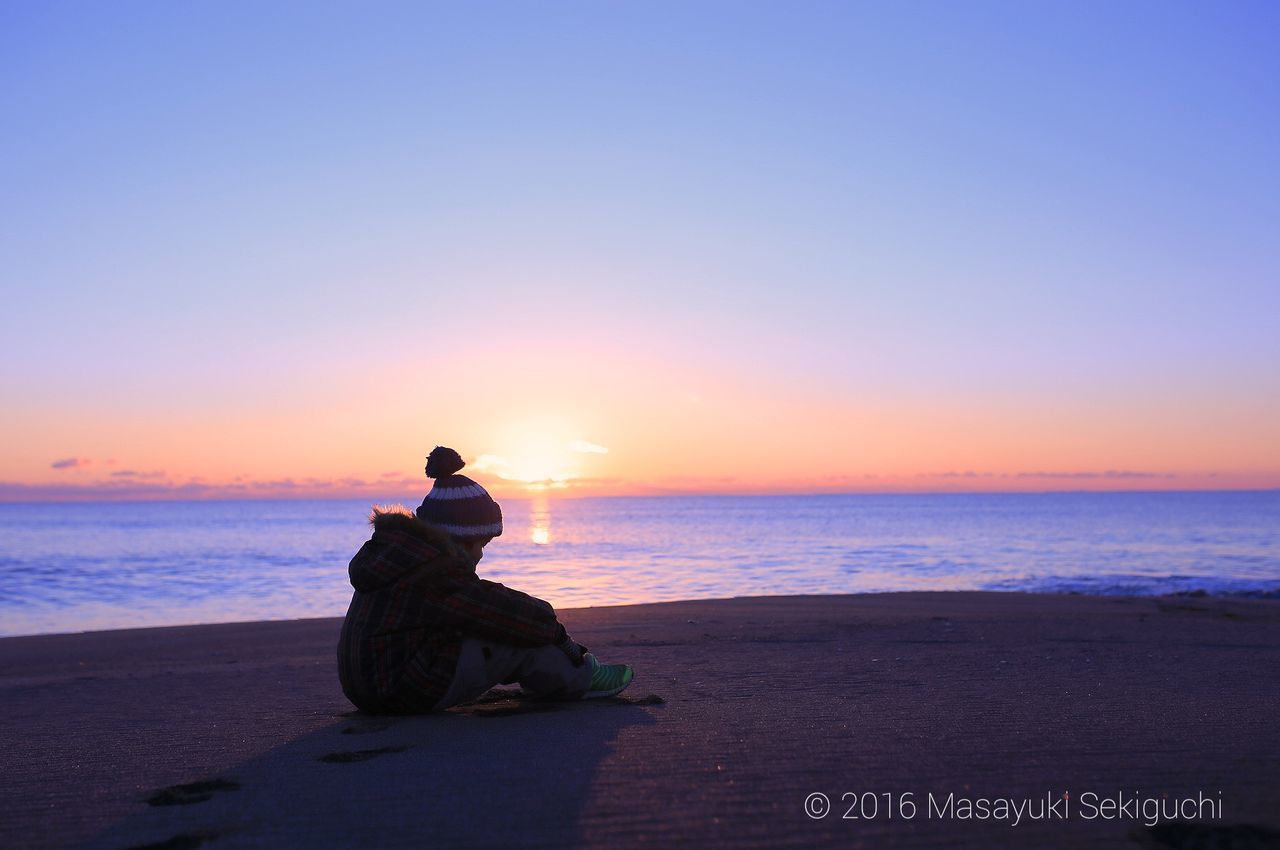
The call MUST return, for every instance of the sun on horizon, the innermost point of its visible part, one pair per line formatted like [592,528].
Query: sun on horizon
[544,454]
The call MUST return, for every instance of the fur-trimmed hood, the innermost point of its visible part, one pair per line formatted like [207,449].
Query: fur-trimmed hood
[401,543]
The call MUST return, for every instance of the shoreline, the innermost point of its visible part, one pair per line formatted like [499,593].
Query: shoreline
[741,708]
[1199,593]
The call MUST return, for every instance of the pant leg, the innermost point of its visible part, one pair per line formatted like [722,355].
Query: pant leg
[543,671]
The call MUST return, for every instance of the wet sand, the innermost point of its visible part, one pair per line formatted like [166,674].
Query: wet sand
[238,735]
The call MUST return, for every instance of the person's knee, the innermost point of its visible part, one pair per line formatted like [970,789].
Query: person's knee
[548,672]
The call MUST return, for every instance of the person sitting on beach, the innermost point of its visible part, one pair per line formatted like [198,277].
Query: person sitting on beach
[424,632]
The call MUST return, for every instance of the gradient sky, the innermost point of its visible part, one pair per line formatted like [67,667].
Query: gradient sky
[268,248]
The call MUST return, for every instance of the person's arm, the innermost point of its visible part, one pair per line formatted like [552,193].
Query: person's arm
[491,610]
[458,599]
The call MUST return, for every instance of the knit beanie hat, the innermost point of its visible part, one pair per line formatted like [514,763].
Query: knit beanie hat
[456,504]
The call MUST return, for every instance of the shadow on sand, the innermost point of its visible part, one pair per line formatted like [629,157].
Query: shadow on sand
[499,771]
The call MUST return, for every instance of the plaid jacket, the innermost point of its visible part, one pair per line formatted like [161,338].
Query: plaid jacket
[416,596]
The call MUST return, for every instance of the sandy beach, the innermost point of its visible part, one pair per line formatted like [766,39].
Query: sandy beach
[237,735]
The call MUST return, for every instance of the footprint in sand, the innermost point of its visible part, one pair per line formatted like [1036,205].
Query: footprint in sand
[360,755]
[185,841]
[192,792]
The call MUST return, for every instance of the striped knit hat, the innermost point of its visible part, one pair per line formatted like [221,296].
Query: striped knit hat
[456,504]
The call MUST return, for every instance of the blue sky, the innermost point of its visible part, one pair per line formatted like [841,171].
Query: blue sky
[237,211]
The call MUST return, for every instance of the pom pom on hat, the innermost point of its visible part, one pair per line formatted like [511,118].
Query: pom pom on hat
[443,461]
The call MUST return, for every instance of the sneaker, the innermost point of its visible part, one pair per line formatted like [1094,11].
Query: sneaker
[607,679]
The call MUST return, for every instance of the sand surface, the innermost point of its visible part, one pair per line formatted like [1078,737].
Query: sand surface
[740,710]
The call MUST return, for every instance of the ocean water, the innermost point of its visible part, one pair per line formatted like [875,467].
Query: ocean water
[88,566]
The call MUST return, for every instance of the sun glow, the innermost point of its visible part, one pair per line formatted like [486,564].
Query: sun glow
[541,455]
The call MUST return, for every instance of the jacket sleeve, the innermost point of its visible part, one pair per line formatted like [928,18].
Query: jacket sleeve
[490,610]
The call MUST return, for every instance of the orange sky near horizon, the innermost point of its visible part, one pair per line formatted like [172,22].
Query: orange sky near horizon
[666,428]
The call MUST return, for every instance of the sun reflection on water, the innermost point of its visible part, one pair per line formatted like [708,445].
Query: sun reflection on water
[540,520]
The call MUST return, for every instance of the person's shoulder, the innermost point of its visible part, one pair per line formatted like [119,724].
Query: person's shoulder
[398,525]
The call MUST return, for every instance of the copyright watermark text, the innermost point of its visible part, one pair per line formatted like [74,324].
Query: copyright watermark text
[1053,805]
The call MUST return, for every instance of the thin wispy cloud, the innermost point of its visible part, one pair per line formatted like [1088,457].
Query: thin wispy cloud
[135,475]
[72,463]
[584,447]
[1108,473]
